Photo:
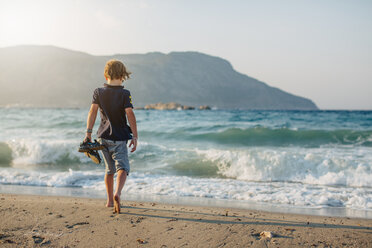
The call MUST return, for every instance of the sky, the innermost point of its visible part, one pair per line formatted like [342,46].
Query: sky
[318,49]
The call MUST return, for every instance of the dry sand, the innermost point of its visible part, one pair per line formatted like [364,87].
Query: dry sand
[33,221]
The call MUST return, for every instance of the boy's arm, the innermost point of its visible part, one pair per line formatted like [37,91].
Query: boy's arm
[92,115]
[133,127]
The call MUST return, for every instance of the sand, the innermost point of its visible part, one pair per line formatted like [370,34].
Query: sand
[45,221]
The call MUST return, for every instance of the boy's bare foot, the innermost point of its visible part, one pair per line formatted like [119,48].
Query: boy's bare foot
[109,204]
[117,204]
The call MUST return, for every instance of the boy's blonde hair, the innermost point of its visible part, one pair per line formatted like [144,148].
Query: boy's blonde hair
[115,69]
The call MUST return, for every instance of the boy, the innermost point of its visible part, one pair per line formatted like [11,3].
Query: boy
[114,103]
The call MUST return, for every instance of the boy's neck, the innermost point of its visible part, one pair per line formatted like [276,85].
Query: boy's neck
[114,82]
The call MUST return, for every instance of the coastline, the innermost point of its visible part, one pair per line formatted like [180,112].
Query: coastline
[78,192]
[57,221]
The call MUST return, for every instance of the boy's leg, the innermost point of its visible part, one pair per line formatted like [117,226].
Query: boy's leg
[120,156]
[120,181]
[109,181]
[110,171]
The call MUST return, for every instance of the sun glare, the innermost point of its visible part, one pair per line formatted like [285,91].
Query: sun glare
[20,24]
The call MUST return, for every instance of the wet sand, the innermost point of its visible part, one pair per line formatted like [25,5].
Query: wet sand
[46,221]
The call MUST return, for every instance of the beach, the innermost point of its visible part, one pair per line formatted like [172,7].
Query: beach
[218,124]
[50,221]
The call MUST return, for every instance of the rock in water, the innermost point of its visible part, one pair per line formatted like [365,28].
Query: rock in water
[204,107]
[165,106]
[188,108]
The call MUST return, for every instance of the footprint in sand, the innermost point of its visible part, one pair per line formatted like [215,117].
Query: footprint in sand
[77,224]
[37,239]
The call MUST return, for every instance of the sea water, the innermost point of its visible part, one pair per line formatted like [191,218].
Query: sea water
[286,159]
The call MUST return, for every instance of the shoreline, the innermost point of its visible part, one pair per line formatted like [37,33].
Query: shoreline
[190,201]
[56,221]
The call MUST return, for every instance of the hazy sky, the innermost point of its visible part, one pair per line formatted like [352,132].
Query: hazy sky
[320,49]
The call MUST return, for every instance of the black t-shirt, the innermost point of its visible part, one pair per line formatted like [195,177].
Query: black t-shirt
[112,101]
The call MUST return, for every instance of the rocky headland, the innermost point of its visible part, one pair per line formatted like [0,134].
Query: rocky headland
[57,77]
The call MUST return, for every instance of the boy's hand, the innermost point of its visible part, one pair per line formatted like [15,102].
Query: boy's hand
[88,137]
[133,143]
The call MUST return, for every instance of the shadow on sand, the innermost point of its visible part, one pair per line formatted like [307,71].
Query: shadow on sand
[235,219]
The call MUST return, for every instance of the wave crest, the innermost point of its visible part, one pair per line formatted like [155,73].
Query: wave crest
[261,136]
[26,152]
[315,166]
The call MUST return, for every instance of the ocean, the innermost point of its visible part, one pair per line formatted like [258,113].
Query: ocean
[292,161]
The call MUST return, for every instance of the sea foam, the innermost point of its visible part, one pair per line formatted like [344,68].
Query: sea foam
[324,166]
[295,194]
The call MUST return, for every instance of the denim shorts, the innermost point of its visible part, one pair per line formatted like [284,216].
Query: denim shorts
[115,155]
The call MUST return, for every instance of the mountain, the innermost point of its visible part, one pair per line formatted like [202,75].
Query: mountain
[47,76]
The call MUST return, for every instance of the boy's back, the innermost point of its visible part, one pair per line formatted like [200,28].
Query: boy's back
[112,102]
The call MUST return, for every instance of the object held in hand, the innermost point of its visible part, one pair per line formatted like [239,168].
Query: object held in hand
[90,150]
[94,156]
[87,146]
